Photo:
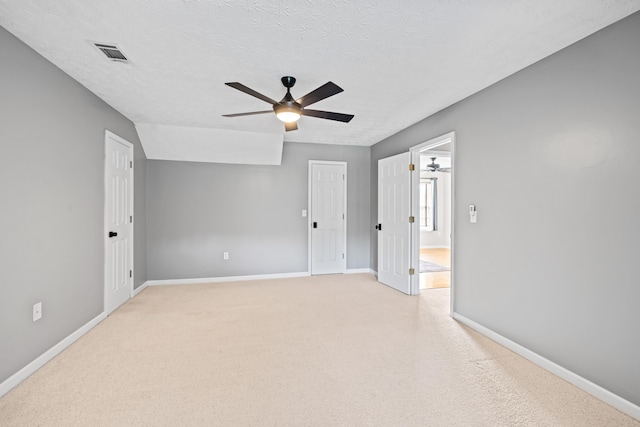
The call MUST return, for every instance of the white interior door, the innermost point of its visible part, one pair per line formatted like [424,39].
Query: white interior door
[328,217]
[394,227]
[118,221]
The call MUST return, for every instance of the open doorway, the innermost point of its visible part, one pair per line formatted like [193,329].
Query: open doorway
[432,206]
[434,218]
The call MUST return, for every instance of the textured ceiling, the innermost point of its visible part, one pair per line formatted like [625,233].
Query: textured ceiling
[397,62]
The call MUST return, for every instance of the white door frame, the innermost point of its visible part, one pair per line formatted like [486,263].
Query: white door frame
[415,202]
[310,213]
[110,135]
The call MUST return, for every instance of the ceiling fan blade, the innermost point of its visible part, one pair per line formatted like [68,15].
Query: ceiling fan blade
[291,126]
[249,91]
[247,114]
[326,90]
[339,117]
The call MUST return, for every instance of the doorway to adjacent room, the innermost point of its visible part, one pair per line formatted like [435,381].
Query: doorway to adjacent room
[432,205]
[434,218]
[415,212]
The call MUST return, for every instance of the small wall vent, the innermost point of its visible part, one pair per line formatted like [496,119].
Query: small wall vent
[112,52]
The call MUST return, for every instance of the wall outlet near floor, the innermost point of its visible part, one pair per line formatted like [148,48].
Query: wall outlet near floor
[37,311]
[225,255]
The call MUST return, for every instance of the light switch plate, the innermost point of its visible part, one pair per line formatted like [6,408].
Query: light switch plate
[37,311]
[473,214]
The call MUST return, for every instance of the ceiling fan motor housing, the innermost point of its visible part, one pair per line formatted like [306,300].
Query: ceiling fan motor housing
[288,104]
[288,109]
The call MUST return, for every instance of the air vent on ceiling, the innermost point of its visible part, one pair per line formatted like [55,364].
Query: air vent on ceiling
[112,52]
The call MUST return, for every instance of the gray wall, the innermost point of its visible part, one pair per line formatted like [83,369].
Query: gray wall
[552,263]
[197,211]
[52,191]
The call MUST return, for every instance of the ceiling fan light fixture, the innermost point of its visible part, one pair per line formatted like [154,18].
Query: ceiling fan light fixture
[287,114]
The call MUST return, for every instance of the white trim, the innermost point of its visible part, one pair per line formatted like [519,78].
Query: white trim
[567,375]
[435,247]
[224,279]
[415,238]
[108,134]
[359,270]
[25,372]
[435,142]
[140,288]
[310,212]
[435,152]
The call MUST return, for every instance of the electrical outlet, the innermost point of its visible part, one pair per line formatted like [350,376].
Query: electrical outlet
[225,255]
[37,311]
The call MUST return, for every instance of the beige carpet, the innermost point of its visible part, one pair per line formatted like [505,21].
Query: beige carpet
[319,351]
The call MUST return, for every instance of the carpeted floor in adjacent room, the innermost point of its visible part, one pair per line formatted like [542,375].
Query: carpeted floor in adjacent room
[337,350]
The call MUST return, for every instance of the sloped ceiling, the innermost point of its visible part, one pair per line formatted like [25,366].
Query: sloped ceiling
[194,144]
[397,62]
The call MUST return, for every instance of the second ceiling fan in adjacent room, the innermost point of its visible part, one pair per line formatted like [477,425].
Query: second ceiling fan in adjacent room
[435,167]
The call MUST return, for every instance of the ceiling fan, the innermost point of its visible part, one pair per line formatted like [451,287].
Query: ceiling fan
[289,109]
[435,167]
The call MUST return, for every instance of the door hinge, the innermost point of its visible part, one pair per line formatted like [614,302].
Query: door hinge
[130,163]
[343,177]
[412,271]
[342,256]
[412,219]
[131,219]
[130,273]
[412,167]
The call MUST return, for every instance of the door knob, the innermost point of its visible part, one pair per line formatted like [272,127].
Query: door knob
[379,227]
[315,225]
[112,234]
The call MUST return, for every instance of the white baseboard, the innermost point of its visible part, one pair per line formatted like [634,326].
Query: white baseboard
[567,375]
[358,271]
[435,247]
[25,372]
[224,279]
[240,278]
[139,289]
